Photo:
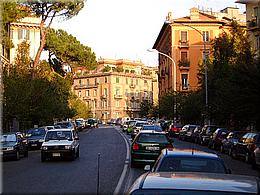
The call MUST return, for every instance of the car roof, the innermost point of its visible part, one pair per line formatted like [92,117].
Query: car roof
[60,130]
[188,153]
[151,132]
[198,181]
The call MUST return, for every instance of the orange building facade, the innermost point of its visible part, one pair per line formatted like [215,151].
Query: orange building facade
[187,41]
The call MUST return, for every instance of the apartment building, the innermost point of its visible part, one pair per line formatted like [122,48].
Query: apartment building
[253,22]
[116,88]
[187,41]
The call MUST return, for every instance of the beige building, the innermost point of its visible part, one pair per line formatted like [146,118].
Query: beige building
[117,88]
[253,22]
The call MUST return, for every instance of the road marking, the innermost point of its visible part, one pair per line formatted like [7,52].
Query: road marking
[126,166]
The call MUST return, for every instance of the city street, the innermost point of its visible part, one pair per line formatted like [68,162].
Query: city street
[30,175]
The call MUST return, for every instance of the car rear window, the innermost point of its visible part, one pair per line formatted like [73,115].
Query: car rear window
[152,127]
[152,138]
[189,164]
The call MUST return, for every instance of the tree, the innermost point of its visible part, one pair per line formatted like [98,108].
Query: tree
[80,108]
[65,49]
[145,108]
[48,10]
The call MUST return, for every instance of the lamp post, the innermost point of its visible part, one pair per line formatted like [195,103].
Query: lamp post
[204,64]
[174,77]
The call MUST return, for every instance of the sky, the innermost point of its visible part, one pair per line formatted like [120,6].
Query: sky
[125,29]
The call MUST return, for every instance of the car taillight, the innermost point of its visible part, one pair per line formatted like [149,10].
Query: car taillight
[169,146]
[135,146]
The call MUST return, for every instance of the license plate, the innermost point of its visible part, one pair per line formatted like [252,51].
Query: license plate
[56,154]
[152,148]
[34,144]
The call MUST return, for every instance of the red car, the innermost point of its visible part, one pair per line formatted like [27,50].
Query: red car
[174,130]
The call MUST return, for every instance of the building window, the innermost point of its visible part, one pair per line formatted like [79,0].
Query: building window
[80,83]
[79,94]
[87,93]
[184,81]
[126,92]
[87,81]
[105,103]
[205,36]
[117,91]
[126,81]
[105,91]
[117,104]
[136,81]
[184,36]
[145,82]
[11,34]
[23,34]
[184,56]
[117,79]
[105,79]
[95,92]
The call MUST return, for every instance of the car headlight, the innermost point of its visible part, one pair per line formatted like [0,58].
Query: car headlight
[67,147]
[10,148]
[41,140]
[45,148]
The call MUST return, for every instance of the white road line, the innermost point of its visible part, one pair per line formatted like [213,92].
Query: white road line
[126,166]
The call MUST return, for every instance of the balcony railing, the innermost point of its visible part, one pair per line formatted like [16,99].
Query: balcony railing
[86,86]
[117,96]
[184,63]
[183,43]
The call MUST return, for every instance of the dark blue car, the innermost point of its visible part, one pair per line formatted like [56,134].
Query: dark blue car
[35,137]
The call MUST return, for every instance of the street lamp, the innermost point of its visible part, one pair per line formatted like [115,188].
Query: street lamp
[204,62]
[174,77]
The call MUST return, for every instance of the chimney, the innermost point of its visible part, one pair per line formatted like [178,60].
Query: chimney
[194,13]
[169,16]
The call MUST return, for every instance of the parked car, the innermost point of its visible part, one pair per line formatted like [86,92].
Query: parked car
[246,146]
[92,123]
[189,160]
[13,145]
[35,138]
[147,146]
[215,140]
[137,127]
[256,157]
[66,124]
[186,132]
[195,134]
[206,132]
[174,130]
[60,143]
[194,183]
[231,139]
[130,126]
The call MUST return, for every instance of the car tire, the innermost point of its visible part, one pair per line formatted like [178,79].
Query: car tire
[25,153]
[73,155]
[17,156]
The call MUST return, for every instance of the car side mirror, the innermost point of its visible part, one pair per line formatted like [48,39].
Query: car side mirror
[147,167]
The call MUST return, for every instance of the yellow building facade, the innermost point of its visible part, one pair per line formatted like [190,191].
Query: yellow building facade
[187,41]
[117,88]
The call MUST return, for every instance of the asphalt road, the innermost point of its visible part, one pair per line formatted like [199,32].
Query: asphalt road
[31,176]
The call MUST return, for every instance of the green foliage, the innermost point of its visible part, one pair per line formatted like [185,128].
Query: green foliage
[145,108]
[66,49]
[80,108]
[118,69]
[106,69]
[146,72]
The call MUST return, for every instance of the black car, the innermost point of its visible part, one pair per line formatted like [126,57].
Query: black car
[231,139]
[189,160]
[215,141]
[245,147]
[35,138]
[147,146]
[186,132]
[205,134]
[13,145]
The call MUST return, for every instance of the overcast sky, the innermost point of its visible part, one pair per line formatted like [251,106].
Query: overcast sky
[127,28]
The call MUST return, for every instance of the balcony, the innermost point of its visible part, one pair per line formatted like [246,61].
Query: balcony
[117,96]
[86,86]
[184,64]
[183,43]
[86,98]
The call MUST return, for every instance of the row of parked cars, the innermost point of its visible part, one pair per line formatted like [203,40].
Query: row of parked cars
[17,144]
[180,171]
[241,144]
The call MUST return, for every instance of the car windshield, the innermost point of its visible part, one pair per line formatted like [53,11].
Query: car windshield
[152,127]
[36,132]
[58,135]
[191,164]
[152,138]
[131,123]
[8,138]
[140,124]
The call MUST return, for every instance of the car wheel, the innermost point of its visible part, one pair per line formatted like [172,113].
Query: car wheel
[25,153]
[17,156]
